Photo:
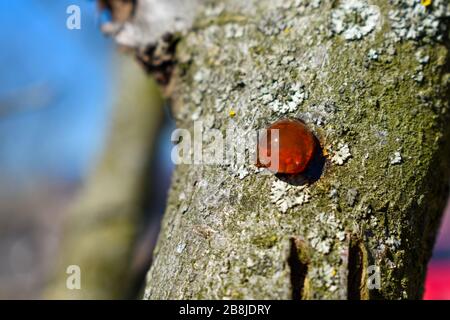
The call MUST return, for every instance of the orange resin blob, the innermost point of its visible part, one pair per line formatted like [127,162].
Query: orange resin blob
[294,147]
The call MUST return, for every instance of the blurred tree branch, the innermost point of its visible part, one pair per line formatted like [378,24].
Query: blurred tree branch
[100,232]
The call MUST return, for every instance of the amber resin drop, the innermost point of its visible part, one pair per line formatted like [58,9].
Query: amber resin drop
[295,144]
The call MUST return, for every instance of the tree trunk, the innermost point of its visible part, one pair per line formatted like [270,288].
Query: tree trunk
[371,80]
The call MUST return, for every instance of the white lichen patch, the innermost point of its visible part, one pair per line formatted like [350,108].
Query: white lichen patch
[233,30]
[274,23]
[373,221]
[321,245]
[373,54]
[286,196]
[422,58]
[322,238]
[354,19]
[334,194]
[340,235]
[413,21]
[319,113]
[287,59]
[352,197]
[180,247]
[214,10]
[390,264]
[197,113]
[325,276]
[396,158]
[418,77]
[296,96]
[341,155]
[393,243]
[242,172]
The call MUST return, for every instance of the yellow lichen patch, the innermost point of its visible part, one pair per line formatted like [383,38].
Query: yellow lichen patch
[325,152]
[333,272]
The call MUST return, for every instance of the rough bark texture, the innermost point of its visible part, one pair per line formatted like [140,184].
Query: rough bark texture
[372,83]
[100,231]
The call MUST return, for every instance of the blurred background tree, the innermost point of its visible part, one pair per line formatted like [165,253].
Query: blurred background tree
[61,95]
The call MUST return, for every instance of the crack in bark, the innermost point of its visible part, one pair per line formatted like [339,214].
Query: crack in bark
[299,268]
[356,284]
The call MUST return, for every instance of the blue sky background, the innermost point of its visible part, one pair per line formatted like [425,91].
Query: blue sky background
[58,133]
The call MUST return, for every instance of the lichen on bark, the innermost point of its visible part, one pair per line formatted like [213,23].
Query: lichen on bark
[376,99]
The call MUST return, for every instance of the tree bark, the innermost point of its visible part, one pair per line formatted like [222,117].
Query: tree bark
[373,85]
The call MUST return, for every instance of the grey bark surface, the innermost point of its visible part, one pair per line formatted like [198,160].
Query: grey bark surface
[372,83]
